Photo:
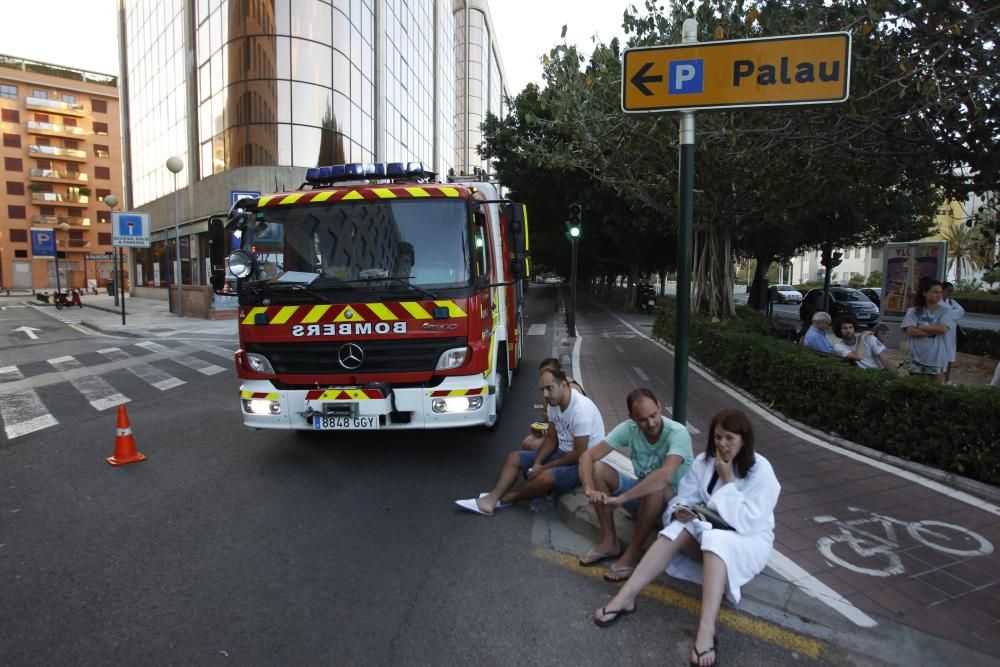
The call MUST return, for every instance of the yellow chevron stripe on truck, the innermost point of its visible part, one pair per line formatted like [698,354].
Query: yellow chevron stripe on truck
[351,312]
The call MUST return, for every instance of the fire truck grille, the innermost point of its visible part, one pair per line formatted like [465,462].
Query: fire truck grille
[380,356]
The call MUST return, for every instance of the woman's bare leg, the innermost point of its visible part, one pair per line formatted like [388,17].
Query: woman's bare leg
[652,564]
[712,588]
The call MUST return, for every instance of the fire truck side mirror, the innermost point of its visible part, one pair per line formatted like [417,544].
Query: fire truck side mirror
[517,228]
[517,271]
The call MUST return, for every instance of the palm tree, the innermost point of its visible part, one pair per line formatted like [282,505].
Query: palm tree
[963,246]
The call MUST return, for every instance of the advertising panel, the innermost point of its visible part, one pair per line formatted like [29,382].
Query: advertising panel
[904,265]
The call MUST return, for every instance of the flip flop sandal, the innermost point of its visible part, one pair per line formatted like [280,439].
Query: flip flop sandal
[623,572]
[702,654]
[592,557]
[618,613]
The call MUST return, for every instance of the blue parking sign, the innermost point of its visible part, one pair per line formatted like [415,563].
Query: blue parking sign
[687,77]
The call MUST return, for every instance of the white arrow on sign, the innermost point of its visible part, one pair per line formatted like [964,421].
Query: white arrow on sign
[30,331]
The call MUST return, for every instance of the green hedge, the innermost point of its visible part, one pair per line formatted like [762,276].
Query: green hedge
[980,342]
[981,305]
[952,428]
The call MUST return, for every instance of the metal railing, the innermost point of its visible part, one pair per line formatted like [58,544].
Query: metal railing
[58,152]
[54,105]
[56,173]
[55,220]
[39,127]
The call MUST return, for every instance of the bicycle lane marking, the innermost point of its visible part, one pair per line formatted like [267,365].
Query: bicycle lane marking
[778,562]
[868,545]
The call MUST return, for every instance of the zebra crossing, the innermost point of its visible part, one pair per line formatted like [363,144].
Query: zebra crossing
[23,409]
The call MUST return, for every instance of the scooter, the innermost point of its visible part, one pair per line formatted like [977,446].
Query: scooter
[647,299]
[62,300]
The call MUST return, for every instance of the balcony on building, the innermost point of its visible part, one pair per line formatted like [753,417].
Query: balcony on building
[76,244]
[57,176]
[54,129]
[56,220]
[74,154]
[55,106]
[49,198]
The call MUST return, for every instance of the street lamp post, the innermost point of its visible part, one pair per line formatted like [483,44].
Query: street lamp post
[63,226]
[175,164]
[112,201]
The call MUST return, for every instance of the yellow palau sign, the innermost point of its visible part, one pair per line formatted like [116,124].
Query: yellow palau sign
[796,69]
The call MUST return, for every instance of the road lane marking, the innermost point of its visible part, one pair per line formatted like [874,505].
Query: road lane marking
[24,413]
[619,348]
[741,622]
[196,364]
[220,351]
[642,376]
[536,330]
[96,390]
[146,372]
[788,570]
[954,494]
[10,373]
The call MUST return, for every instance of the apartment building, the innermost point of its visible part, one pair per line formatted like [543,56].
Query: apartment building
[61,157]
[250,93]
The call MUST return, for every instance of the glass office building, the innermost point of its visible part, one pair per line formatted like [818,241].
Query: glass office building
[250,93]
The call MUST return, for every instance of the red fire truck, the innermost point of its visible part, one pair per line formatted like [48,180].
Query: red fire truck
[374,297]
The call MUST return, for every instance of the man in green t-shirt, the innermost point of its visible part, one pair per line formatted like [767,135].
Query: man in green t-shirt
[661,454]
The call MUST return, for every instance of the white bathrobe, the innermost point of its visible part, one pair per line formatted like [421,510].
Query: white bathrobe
[747,504]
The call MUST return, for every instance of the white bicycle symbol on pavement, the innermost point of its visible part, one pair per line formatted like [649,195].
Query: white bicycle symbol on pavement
[859,540]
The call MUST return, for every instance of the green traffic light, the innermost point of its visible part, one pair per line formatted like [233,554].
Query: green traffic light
[574,231]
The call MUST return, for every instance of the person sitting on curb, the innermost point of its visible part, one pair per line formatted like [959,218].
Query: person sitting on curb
[577,425]
[660,450]
[724,553]
[865,350]
[533,441]
[815,338]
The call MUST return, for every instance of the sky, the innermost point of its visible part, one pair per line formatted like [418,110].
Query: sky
[84,34]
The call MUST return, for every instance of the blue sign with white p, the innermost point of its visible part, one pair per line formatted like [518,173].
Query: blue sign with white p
[43,242]
[686,77]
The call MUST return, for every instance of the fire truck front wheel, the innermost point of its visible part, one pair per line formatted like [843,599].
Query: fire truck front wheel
[503,384]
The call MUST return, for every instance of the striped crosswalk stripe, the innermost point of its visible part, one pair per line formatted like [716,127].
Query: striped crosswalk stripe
[96,390]
[147,372]
[192,362]
[23,413]
[220,351]
[10,373]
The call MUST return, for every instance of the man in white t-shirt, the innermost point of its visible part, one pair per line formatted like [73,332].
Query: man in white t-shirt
[866,350]
[554,467]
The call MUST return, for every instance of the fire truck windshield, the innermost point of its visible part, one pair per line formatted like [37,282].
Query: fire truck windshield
[367,244]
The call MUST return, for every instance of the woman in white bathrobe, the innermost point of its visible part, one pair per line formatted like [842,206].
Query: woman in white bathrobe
[741,487]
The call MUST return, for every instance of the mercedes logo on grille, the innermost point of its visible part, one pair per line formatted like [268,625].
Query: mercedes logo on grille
[350,356]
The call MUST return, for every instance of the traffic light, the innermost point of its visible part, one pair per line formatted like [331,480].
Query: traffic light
[838,257]
[574,226]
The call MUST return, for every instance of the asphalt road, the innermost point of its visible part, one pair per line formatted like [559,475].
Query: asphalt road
[252,547]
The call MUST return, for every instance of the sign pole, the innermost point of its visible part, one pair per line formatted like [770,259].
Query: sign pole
[685,234]
[121,279]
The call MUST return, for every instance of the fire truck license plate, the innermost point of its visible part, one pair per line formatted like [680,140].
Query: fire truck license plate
[345,423]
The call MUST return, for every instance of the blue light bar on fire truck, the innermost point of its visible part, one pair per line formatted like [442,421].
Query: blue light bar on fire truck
[372,171]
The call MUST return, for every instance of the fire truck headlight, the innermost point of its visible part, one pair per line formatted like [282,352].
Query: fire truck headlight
[261,406]
[457,404]
[452,358]
[259,363]
[240,263]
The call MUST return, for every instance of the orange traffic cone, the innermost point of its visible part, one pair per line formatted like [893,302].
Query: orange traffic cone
[125,451]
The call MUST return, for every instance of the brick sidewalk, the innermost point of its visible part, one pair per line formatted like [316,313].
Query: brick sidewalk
[898,547]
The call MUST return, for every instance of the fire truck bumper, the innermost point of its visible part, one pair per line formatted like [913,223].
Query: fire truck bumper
[456,402]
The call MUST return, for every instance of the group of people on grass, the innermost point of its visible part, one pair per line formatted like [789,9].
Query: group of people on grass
[931,327]
[714,512]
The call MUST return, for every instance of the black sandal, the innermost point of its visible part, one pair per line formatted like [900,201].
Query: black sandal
[702,654]
[618,613]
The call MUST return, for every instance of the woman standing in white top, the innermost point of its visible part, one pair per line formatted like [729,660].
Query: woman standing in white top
[952,336]
[741,487]
[926,324]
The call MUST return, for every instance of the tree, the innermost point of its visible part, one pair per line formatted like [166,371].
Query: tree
[770,183]
[962,244]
